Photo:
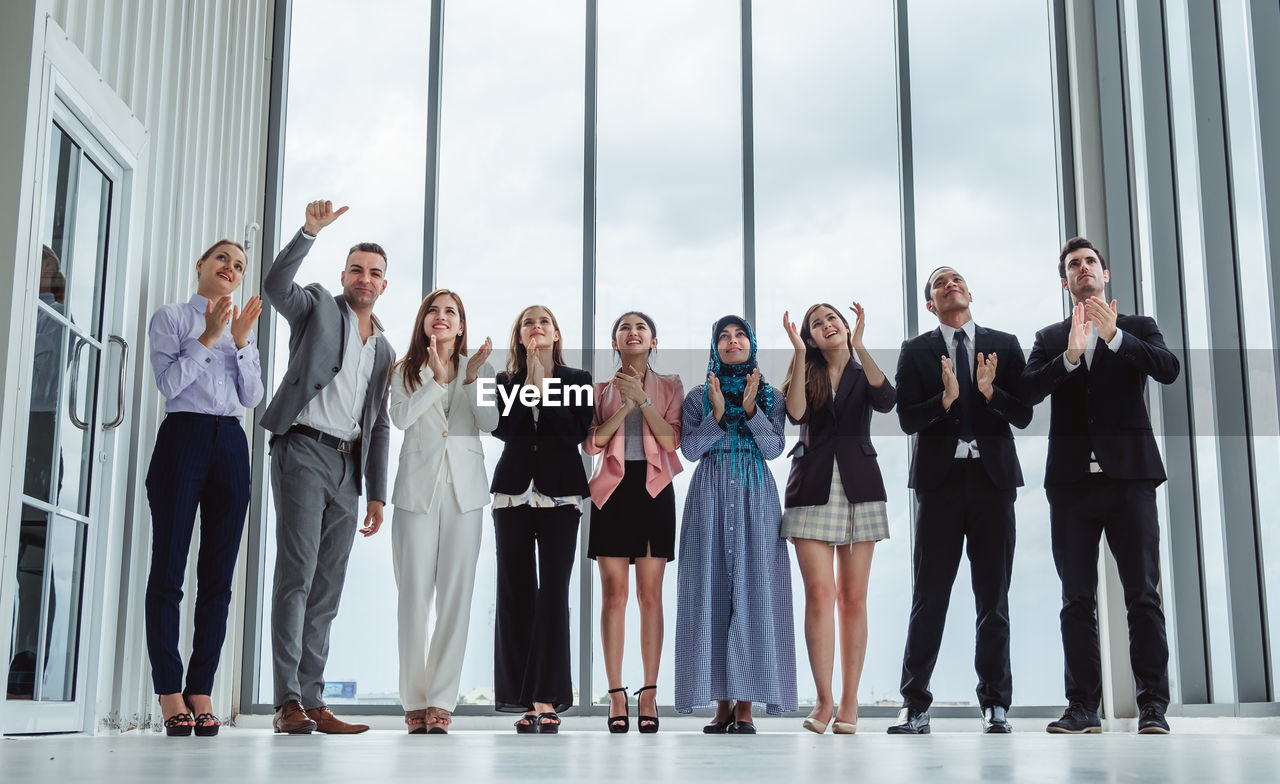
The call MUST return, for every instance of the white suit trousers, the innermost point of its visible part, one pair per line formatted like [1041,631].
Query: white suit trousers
[434,554]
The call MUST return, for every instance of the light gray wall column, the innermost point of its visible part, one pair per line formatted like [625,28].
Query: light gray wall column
[18,93]
[1101,172]
[1228,361]
[1184,589]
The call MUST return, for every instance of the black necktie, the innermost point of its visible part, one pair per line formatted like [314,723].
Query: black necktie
[965,382]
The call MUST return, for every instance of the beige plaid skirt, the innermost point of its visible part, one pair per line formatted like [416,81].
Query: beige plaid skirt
[837,521]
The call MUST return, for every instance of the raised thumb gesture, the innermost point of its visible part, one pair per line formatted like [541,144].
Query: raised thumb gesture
[320,214]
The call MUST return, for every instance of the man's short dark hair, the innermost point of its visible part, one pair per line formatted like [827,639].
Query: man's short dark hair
[368,247]
[928,282]
[1074,244]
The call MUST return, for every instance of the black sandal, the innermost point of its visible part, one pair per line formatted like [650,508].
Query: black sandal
[207,724]
[179,725]
[526,724]
[620,724]
[647,724]
[547,723]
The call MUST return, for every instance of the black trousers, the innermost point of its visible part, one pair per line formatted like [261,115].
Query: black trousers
[967,512]
[531,627]
[199,461]
[1079,513]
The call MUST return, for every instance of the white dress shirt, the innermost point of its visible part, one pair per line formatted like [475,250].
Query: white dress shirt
[337,409]
[964,449]
[1113,344]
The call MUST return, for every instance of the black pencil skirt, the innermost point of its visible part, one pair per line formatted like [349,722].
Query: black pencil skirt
[633,524]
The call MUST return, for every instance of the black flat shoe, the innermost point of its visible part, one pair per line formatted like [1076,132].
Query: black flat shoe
[526,726]
[547,723]
[910,722]
[717,727]
[741,728]
[995,721]
[646,724]
[620,724]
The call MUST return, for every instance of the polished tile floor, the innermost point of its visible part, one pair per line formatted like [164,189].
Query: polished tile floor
[1200,750]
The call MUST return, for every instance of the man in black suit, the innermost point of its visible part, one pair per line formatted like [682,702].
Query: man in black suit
[958,393]
[1101,476]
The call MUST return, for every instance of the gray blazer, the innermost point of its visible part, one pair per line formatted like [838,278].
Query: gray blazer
[317,339]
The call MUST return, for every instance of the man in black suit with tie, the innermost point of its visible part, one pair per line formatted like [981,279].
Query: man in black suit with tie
[1101,476]
[958,393]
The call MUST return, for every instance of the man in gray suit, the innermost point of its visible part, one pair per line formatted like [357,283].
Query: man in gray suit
[329,424]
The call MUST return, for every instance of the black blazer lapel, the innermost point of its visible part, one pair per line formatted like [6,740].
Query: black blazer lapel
[847,381]
[939,346]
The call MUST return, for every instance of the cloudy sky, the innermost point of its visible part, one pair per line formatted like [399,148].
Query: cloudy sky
[670,226]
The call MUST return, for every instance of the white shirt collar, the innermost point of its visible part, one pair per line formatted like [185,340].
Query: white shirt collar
[949,332]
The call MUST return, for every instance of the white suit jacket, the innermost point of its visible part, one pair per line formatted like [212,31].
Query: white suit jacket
[439,448]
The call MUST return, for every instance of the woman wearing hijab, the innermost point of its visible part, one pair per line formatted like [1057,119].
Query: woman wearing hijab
[735,643]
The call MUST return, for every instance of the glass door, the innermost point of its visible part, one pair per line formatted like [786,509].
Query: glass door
[75,362]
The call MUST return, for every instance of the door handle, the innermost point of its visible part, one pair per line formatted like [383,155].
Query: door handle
[124,364]
[75,388]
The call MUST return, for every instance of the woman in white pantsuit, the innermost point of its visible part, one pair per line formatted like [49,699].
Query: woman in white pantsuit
[439,492]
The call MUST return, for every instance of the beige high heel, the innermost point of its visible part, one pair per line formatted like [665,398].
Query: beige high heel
[844,728]
[813,725]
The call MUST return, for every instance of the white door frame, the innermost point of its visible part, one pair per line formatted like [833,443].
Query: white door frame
[72,92]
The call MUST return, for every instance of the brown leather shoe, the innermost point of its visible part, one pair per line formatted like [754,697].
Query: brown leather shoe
[292,719]
[327,723]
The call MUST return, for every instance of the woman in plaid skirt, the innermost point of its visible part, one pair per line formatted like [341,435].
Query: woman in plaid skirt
[835,500]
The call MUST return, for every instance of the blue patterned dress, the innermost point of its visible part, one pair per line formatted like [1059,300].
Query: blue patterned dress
[734,634]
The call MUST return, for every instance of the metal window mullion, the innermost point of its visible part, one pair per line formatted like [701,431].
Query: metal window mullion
[273,184]
[1064,138]
[906,204]
[1228,362]
[1117,168]
[591,68]
[748,168]
[1166,254]
[906,168]
[430,204]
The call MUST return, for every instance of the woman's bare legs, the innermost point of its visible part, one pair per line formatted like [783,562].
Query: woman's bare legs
[614,576]
[818,572]
[854,569]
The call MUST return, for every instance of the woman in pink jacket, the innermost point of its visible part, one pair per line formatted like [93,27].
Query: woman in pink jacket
[636,431]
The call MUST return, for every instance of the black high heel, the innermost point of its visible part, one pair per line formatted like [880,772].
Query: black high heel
[206,724]
[179,725]
[620,724]
[646,724]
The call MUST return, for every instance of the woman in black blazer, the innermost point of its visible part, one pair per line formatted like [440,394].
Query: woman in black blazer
[538,489]
[835,503]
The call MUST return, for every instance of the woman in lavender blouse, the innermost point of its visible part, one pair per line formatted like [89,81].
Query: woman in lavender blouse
[206,365]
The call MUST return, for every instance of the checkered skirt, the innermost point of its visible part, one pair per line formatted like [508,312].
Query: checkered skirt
[837,521]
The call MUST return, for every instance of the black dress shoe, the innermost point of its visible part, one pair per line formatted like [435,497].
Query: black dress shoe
[995,722]
[1151,721]
[741,728]
[1076,720]
[717,727]
[911,722]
